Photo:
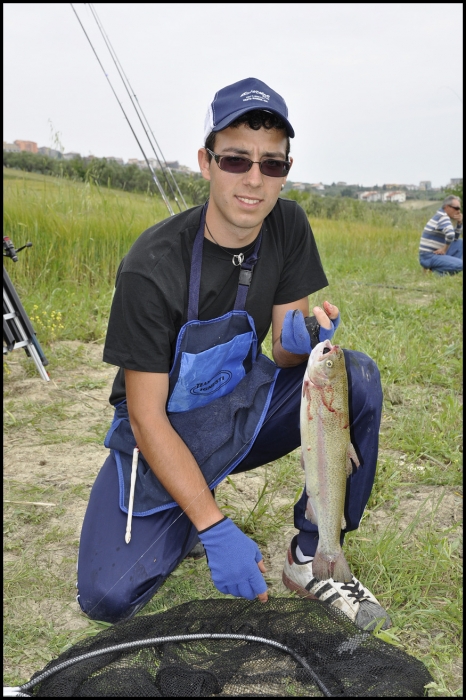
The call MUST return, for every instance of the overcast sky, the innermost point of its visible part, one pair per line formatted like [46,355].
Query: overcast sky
[374,90]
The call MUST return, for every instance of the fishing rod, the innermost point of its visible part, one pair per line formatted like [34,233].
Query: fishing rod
[154,176]
[138,109]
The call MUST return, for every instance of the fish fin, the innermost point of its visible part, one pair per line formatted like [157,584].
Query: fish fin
[341,570]
[309,512]
[351,455]
[336,568]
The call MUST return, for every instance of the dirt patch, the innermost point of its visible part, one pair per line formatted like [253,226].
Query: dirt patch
[49,422]
[441,504]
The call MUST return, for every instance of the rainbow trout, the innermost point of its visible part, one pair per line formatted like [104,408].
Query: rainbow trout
[326,455]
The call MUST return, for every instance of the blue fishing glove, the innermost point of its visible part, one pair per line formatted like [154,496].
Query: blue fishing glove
[300,334]
[233,559]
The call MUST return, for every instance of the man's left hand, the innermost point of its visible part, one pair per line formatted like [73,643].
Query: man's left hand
[296,332]
[328,319]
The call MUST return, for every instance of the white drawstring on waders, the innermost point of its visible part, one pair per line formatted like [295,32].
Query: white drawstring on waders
[134,469]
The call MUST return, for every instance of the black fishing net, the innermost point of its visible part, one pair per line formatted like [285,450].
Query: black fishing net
[286,647]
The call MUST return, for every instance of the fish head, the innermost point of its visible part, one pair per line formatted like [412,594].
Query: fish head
[326,363]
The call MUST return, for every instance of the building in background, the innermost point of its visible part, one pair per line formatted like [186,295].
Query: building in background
[30,146]
[394,196]
[425,185]
[370,196]
[11,147]
[49,152]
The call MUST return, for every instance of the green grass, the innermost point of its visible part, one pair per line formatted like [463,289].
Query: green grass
[80,233]
[408,547]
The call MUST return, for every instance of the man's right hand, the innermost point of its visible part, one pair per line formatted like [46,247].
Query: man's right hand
[234,560]
[441,251]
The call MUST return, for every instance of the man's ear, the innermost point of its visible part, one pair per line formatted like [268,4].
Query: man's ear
[204,163]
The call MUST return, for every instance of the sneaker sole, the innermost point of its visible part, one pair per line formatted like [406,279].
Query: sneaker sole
[197,552]
[292,586]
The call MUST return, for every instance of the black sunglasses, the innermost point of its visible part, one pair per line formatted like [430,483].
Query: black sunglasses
[452,207]
[238,164]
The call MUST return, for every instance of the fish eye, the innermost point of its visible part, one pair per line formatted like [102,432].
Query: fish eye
[329,363]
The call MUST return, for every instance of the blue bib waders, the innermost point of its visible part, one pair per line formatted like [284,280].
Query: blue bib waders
[235,410]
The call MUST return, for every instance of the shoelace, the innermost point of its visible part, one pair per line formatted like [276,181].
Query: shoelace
[356,591]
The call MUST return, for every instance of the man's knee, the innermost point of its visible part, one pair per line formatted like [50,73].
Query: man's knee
[114,604]
[99,604]
[364,384]
[361,369]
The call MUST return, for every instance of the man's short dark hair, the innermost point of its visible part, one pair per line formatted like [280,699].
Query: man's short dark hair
[256,119]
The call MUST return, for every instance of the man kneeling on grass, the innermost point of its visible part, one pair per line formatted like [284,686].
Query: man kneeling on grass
[196,400]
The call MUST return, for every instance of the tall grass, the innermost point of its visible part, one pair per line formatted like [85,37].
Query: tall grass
[80,233]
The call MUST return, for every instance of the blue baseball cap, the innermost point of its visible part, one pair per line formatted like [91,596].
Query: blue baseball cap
[234,100]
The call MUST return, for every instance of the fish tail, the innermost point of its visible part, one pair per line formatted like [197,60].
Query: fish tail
[337,567]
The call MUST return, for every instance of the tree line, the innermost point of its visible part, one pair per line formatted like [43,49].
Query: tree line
[195,189]
[107,173]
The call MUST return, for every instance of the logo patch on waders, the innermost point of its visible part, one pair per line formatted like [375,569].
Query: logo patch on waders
[218,381]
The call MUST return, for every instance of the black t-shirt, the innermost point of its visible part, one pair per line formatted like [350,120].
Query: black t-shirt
[151,295]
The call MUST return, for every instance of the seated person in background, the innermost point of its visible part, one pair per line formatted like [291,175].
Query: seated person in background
[441,248]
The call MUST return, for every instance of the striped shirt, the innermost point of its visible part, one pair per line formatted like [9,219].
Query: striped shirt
[438,232]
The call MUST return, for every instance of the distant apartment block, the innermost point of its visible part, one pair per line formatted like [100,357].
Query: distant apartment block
[370,196]
[425,185]
[11,147]
[71,155]
[49,152]
[394,196]
[112,159]
[455,181]
[30,146]
[317,186]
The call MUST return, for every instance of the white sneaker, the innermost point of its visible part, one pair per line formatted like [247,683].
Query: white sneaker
[351,598]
